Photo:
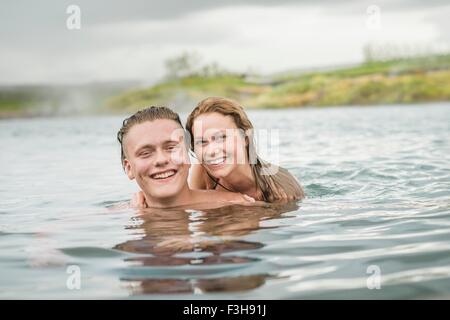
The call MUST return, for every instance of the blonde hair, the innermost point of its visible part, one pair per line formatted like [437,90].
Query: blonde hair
[272,186]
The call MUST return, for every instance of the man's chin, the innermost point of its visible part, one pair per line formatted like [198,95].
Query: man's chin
[163,190]
[163,193]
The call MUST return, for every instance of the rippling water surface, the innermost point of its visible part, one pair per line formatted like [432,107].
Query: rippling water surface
[378,187]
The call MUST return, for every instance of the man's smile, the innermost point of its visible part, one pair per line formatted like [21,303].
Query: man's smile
[163,175]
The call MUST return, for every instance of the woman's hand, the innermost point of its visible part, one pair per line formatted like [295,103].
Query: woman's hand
[138,201]
[242,199]
[248,198]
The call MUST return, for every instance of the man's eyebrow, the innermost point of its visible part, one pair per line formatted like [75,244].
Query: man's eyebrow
[171,141]
[174,140]
[145,146]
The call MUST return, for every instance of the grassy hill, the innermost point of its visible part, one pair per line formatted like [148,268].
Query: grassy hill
[384,82]
[395,81]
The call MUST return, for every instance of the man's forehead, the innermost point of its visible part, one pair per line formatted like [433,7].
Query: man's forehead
[155,132]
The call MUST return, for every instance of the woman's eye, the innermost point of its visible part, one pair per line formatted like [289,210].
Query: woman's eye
[200,142]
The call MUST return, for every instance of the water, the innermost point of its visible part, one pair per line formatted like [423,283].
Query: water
[377,180]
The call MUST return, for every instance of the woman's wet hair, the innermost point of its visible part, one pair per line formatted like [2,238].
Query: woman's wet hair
[271,184]
[148,114]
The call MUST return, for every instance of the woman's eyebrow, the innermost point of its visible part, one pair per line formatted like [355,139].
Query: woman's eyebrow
[212,133]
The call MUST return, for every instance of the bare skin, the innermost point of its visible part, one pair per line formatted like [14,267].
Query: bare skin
[241,181]
[159,163]
[217,137]
[220,147]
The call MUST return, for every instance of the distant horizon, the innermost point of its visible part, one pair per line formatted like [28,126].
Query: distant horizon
[142,82]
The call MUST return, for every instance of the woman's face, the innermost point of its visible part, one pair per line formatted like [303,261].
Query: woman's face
[219,144]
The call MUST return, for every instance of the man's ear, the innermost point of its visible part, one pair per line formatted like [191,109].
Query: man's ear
[128,171]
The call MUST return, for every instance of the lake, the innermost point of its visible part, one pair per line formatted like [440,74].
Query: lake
[375,223]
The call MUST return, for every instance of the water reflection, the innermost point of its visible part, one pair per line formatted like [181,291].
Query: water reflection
[198,239]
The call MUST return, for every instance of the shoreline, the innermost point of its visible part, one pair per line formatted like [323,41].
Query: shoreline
[400,81]
[305,107]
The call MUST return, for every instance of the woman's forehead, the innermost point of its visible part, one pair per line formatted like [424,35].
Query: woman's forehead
[213,121]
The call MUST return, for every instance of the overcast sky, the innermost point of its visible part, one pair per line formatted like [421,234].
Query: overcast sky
[131,40]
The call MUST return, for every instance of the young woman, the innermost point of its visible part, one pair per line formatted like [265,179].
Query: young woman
[221,138]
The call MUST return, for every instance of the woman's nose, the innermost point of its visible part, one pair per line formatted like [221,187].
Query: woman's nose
[213,149]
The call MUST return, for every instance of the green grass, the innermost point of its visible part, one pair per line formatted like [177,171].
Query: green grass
[362,90]
[188,90]
[15,103]
[384,82]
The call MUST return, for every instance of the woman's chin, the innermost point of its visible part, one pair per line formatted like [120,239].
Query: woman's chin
[221,171]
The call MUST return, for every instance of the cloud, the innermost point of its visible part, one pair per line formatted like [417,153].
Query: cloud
[122,40]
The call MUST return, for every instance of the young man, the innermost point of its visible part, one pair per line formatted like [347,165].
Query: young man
[154,152]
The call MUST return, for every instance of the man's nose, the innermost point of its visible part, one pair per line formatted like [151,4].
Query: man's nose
[161,159]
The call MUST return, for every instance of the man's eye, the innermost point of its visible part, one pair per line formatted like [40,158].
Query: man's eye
[171,148]
[145,154]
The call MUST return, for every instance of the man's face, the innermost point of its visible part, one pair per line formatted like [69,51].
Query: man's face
[157,158]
